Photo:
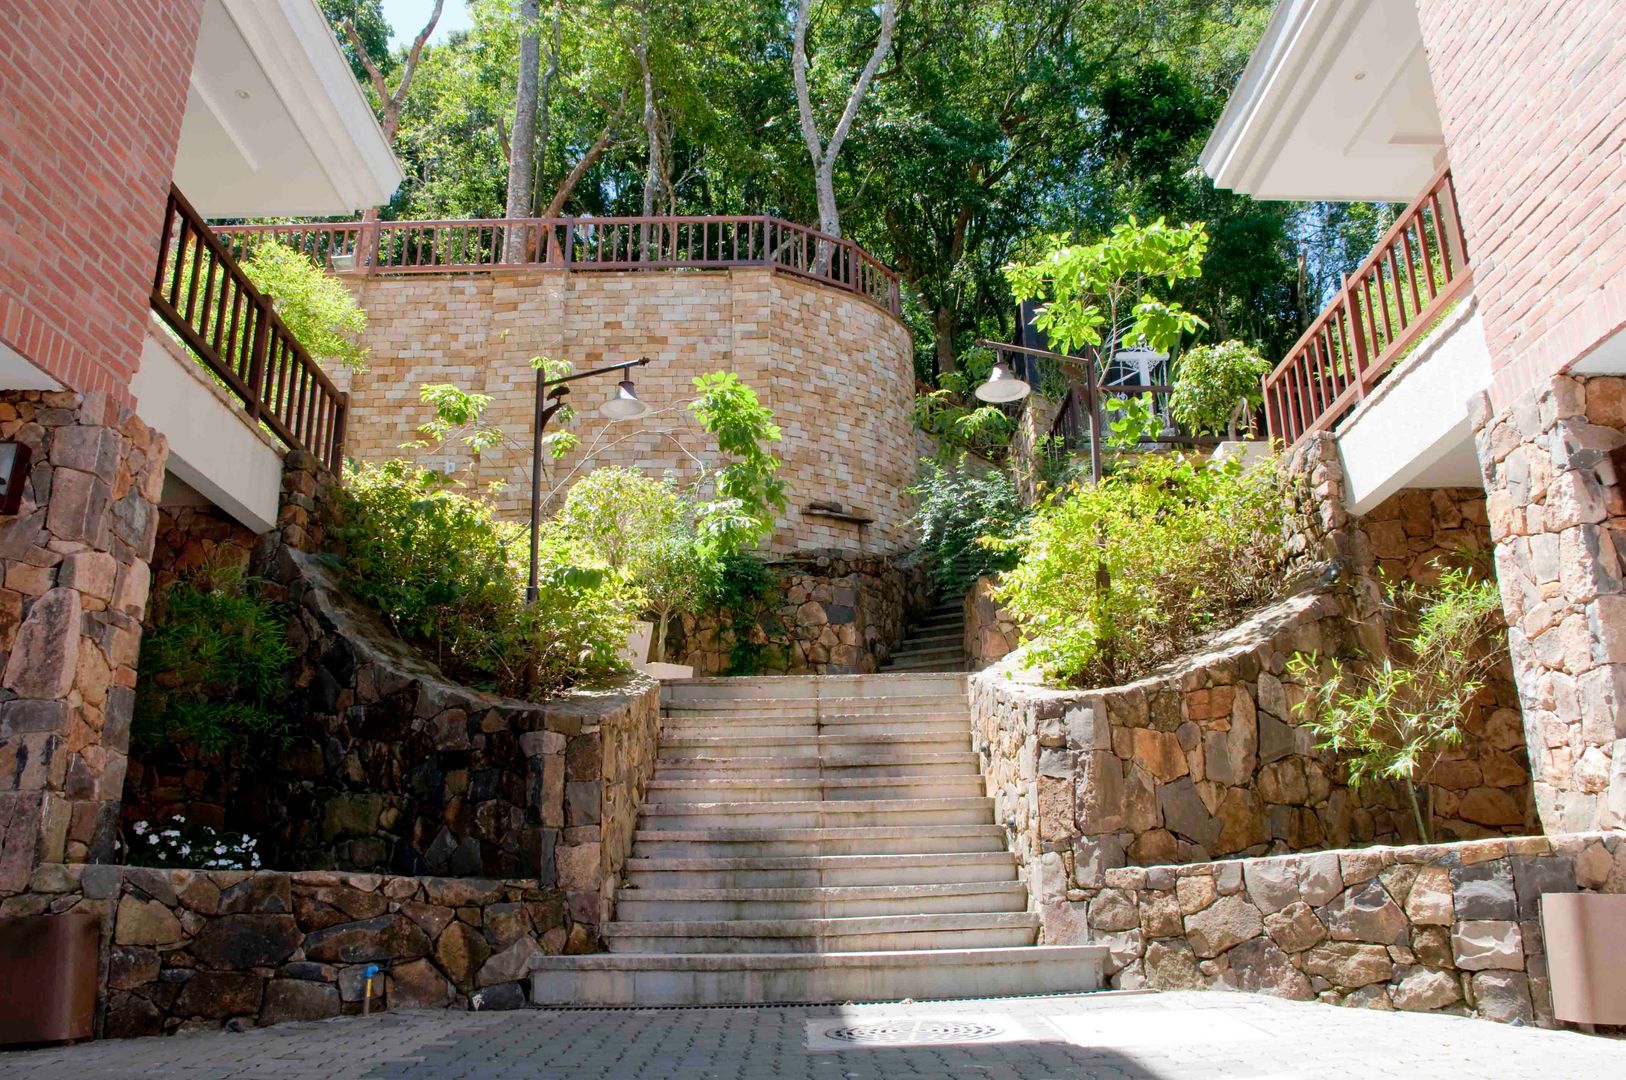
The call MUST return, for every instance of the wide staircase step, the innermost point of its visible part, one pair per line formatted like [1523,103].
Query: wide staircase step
[813,839]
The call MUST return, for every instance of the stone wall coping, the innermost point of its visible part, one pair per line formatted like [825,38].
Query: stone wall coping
[1013,674]
[1425,349]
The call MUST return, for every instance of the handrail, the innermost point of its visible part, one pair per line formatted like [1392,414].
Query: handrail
[591,243]
[1394,297]
[204,295]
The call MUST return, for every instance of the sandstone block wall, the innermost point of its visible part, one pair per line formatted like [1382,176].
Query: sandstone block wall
[192,949]
[828,614]
[1209,759]
[75,563]
[1447,928]
[837,372]
[991,632]
[1558,515]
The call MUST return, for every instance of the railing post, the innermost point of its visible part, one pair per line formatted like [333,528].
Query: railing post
[257,355]
[340,420]
[1357,340]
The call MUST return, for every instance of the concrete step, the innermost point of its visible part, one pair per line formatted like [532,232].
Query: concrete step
[927,665]
[899,728]
[675,747]
[620,979]
[813,710]
[735,843]
[809,687]
[948,652]
[968,930]
[846,814]
[837,766]
[663,793]
[793,872]
[691,905]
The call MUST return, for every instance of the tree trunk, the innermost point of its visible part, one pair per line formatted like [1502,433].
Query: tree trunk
[652,135]
[943,329]
[522,150]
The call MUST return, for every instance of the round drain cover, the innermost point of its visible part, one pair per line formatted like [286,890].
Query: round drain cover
[923,1031]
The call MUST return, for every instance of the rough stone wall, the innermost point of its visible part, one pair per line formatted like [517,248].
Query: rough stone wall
[1446,928]
[1208,759]
[94,98]
[1038,415]
[1557,514]
[831,614]
[194,538]
[190,949]
[836,371]
[991,632]
[1533,130]
[75,562]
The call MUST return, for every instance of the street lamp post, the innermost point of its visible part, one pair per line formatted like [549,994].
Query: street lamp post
[550,398]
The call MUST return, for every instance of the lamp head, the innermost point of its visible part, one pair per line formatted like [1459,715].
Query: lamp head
[625,403]
[1002,386]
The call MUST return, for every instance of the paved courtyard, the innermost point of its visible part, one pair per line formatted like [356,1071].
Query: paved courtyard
[1132,1036]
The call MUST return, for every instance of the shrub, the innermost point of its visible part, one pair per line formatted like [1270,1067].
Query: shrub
[445,573]
[740,590]
[1393,719]
[1210,380]
[199,848]
[958,505]
[213,665]
[1113,580]
[319,311]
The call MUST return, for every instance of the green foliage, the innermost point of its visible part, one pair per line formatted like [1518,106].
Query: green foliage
[958,505]
[213,666]
[1392,718]
[1104,295]
[747,490]
[1131,421]
[1210,380]
[1113,580]
[445,573]
[457,413]
[321,312]
[645,528]
[741,590]
[960,421]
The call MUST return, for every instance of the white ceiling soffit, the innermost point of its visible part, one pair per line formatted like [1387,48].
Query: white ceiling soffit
[1335,105]
[276,125]
[18,373]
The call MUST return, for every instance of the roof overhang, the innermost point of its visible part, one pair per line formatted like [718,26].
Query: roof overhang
[276,124]
[1335,105]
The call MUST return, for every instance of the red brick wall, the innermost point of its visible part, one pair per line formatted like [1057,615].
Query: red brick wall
[91,98]
[1533,96]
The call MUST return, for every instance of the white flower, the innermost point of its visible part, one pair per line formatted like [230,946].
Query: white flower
[220,849]
[140,828]
[180,819]
[185,850]
[152,839]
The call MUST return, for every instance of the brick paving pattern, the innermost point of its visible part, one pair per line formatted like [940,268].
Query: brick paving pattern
[1172,1036]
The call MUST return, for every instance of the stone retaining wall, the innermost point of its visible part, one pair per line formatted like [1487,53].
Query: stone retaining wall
[829,613]
[1207,759]
[186,949]
[1450,928]
[991,633]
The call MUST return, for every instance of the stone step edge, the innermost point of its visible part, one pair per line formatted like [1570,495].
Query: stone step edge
[1013,954]
[658,864]
[839,783]
[821,893]
[947,757]
[851,925]
[848,739]
[837,806]
[729,834]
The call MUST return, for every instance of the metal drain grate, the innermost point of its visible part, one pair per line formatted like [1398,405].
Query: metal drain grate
[914,1032]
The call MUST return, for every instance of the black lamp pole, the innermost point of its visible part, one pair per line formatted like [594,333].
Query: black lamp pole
[550,398]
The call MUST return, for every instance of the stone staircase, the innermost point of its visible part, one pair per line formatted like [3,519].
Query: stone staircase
[817,839]
[935,644]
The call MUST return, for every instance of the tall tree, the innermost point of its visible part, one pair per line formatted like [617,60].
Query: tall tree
[389,101]
[824,152]
[522,146]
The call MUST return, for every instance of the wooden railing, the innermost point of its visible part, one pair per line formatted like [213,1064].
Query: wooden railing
[1417,271]
[202,293]
[599,243]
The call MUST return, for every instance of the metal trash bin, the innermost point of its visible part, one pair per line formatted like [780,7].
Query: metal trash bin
[1585,934]
[48,970]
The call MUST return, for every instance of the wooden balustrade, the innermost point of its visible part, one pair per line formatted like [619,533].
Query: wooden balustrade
[597,243]
[1417,271]
[203,294]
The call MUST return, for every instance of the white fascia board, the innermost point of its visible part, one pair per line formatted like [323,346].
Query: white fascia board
[302,61]
[1273,92]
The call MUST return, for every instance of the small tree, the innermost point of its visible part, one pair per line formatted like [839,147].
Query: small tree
[1395,718]
[320,312]
[1105,295]
[1214,384]
[747,492]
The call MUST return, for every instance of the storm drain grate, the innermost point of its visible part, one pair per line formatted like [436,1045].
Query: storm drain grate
[917,1032]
